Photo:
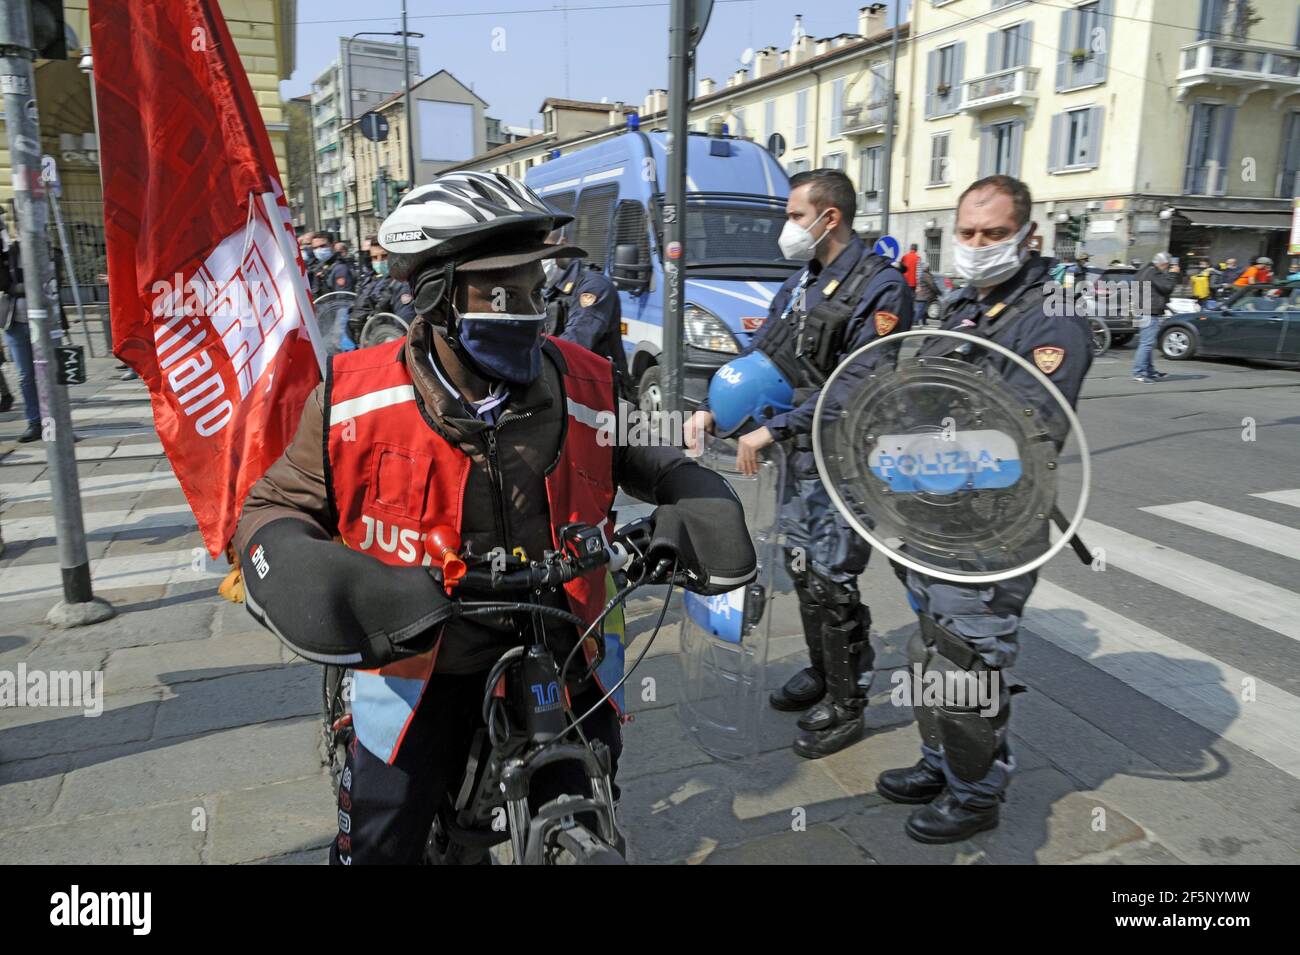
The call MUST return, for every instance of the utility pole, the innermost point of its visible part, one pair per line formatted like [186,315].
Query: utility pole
[674,209]
[17,82]
[687,22]
[889,122]
[410,123]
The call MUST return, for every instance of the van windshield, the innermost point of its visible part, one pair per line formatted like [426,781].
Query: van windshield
[718,233]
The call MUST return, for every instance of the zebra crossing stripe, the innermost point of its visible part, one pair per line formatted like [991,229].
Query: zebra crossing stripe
[97,485]
[1256,601]
[1191,683]
[30,581]
[1233,525]
[1281,497]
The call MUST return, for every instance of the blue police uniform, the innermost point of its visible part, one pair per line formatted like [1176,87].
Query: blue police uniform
[593,314]
[824,555]
[975,628]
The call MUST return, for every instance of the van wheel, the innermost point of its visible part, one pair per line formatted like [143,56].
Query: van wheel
[650,393]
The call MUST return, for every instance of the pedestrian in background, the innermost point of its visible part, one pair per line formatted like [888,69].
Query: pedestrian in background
[1229,272]
[909,262]
[1158,280]
[927,291]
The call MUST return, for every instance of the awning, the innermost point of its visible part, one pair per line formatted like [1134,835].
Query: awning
[1222,219]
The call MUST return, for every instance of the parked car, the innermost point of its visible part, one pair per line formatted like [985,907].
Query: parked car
[1260,321]
[1112,295]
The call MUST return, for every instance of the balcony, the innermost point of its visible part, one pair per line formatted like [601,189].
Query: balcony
[1250,69]
[861,119]
[1017,86]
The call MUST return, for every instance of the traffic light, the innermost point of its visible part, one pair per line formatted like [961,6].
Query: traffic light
[1074,227]
[49,30]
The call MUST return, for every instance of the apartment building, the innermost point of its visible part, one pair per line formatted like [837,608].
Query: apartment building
[449,127]
[1139,126]
[366,73]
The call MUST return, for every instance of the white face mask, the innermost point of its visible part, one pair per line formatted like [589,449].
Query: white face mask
[796,242]
[988,265]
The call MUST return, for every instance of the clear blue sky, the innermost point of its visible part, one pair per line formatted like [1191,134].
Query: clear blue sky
[611,48]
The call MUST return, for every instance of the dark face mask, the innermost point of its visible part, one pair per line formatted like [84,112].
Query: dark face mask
[508,347]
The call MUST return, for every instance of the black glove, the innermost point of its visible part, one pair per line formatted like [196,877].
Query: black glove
[335,605]
[701,523]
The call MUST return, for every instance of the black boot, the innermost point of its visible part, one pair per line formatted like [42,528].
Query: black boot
[808,685]
[836,723]
[912,784]
[800,691]
[946,820]
[33,433]
[836,726]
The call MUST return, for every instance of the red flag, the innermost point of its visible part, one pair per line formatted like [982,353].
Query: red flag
[208,293]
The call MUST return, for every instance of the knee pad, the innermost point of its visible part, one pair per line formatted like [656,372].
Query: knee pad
[971,739]
[840,601]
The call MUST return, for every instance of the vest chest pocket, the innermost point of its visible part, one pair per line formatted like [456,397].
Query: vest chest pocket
[399,481]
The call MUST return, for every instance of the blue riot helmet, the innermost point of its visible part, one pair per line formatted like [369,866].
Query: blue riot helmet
[749,389]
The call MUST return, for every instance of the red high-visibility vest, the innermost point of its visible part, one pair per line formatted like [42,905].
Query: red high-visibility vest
[393,478]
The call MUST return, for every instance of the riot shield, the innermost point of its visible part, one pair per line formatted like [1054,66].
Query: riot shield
[724,639]
[332,318]
[382,327]
[959,461]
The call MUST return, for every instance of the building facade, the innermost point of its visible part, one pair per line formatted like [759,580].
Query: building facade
[366,73]
[1139,126]
[449,127]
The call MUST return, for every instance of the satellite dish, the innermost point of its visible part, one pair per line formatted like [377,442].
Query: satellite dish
[747,57]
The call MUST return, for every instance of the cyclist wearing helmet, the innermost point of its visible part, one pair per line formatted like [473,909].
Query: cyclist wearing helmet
[846,297]
[476,421]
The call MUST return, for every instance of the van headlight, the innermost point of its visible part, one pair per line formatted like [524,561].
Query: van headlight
[705,330]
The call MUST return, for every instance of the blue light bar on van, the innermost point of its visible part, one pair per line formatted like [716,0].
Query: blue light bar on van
[633,121]
[555,154]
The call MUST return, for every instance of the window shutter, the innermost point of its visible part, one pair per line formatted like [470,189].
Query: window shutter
[1094,136]
[1017,142]
[986,151]
[931,81]
[1106,21]
[958,64]
[1056,146]
[1196,136]
[991,53]
[1026,43]
[1066,42]
[1223,149]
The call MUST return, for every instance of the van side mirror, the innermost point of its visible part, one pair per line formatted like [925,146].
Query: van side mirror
[629,273]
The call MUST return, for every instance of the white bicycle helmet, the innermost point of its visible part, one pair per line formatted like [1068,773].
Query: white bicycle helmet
[459,210]
[463,221]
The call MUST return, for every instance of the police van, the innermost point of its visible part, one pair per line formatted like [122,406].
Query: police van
[735,208]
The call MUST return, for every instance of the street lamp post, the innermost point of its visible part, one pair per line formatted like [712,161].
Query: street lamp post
[347,45]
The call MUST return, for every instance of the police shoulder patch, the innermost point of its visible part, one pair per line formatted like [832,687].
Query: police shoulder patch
[587,299]
[885,322]
[1048,358]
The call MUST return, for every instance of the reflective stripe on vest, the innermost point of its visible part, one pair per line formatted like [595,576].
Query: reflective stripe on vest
[392,478]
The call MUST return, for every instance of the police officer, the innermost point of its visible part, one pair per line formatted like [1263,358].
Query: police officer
[380,293]
[583,307]
[844,298]
[966,763]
